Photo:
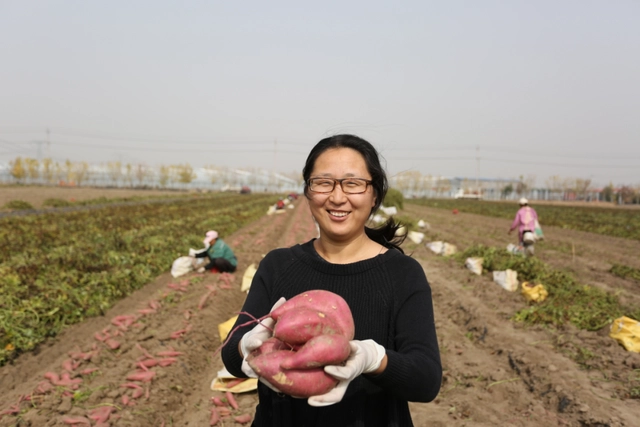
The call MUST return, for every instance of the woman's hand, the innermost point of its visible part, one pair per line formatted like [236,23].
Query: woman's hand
[255,337]
[366,357]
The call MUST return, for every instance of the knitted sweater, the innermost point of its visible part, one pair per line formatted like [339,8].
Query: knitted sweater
[390,300]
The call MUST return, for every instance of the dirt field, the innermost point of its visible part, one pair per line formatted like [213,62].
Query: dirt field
[496,372]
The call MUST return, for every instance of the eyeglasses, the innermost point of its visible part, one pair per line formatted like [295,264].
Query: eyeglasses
[348,185]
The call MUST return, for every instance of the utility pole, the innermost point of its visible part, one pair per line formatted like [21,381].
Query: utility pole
[48,143]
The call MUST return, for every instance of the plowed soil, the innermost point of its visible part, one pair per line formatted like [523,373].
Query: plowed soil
[496,371]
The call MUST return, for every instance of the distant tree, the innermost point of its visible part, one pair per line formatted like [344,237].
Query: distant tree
[33,168]
[115,172]
[185,173]
[58,171]
[554,184]
[164,176]
[68,171]
[142,172]
[581,186]
[524,184]
[18,169]
[443,185]
[626,195]
[608,193]
[81,171]
[47,169]
[128,174]
[507,190]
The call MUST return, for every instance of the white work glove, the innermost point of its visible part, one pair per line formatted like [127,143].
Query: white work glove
[254,339]
[366,356]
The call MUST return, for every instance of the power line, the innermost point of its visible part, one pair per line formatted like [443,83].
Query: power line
[139,138]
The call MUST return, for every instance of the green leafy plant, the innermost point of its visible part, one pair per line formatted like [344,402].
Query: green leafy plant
[625,272]
[394,198]
[61,267]
[584,306]
[18,205]
[56,203]
[607,221]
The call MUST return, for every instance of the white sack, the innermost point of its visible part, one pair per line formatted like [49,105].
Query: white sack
[474,264]
[181,266]
[415,237]
[508,279]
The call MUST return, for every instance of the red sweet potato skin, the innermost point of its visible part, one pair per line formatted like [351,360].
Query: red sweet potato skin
[299,325]
[319,351]
[312,330]
[300,383]
[332,305]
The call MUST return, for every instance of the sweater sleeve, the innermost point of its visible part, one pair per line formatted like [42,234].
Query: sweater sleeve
[516,221]
[258,303]
[414,370]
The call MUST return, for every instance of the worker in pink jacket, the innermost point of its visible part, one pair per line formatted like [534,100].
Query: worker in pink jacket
[524,221]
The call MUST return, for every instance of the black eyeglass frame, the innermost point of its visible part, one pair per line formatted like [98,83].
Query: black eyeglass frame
[367,182]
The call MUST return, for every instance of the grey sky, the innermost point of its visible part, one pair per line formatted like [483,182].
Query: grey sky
[533,87]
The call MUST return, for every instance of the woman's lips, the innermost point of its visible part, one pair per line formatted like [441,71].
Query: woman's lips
[338,215]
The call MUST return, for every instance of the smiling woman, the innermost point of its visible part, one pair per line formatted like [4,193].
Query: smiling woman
[394,355]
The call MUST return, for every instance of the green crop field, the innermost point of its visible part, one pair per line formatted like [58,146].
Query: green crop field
[607,221]
[58,268]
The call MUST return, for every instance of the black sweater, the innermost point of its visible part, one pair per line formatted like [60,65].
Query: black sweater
[390,300]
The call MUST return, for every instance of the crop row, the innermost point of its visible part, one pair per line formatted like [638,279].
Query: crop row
[607,221]
[59,268]
[586,307]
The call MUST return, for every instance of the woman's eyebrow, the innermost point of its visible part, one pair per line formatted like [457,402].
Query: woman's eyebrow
[329,175]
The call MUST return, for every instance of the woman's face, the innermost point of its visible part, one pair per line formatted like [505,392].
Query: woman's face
[341,216]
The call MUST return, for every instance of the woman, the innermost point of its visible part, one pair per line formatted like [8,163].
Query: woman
[525,221]
[395,357]
[220,255]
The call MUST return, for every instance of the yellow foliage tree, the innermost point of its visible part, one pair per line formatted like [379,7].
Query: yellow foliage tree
[185,173]
[18,170]
[81,171]
[47,169]
[164,176]
[33,168]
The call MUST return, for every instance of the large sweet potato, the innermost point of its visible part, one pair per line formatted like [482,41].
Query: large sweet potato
[318,351]
[330,304]
[312,330]
[294,382]
[299,325]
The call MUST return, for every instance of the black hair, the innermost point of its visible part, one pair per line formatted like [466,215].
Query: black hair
[385,234]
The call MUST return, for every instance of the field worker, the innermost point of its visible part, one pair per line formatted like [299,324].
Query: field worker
[525,221]
[394,356]
[220,255]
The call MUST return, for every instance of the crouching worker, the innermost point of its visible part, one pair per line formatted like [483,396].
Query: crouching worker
[220,255]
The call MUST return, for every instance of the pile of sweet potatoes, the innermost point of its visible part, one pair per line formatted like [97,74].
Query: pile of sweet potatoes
[312,329]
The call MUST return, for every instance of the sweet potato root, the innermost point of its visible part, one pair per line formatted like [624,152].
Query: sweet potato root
[312,330]
[332,305]
[299,325]
[295,382]
[318,351]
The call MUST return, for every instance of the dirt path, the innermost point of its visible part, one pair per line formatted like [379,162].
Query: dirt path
[496,371]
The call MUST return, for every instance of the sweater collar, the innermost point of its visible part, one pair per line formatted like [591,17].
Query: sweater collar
[307,253]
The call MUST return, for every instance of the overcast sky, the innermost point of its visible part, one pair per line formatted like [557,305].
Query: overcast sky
[529,87]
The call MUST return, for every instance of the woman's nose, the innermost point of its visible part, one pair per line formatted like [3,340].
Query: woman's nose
[337,195]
